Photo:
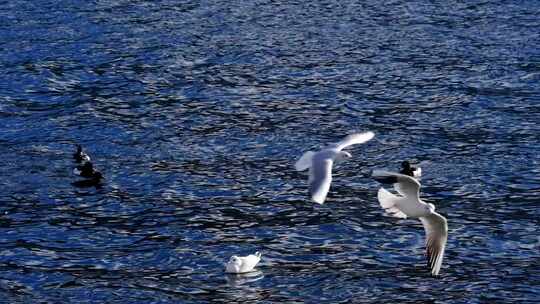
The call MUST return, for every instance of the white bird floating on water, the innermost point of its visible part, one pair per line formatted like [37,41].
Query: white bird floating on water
[320,164]
[409,204]
[238,264]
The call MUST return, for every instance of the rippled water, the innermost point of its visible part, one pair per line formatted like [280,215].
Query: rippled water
[195,112]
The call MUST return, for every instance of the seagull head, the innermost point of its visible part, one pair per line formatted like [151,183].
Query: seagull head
[342,155]
[85,157]
[405,164]
[234,260]
[234,264]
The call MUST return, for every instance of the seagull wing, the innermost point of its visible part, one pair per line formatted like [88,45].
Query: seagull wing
[353,139]
[404,184]
[305,161]
[389,202]
[436,235]
[320,178]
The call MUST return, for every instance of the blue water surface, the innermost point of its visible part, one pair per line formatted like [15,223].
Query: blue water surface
[195,112]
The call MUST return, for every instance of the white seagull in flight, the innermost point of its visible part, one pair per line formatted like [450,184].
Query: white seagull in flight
[409,204]
[320,164]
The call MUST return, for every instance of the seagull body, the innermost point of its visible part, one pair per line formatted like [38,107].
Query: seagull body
[86,170]
[320,164]
[94,181]
[409,204]
[238,264]
[80,156]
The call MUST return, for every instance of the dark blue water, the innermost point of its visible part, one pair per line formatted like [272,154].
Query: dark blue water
[195,111]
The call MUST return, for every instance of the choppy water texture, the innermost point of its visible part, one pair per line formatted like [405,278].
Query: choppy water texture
[195,112]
